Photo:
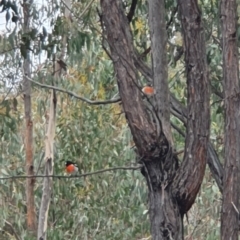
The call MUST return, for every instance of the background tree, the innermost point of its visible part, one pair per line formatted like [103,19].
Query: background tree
[31,215]
[230,206]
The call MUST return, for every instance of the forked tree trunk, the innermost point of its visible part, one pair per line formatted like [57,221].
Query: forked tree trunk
[230,206]
[159,170]
[172,189]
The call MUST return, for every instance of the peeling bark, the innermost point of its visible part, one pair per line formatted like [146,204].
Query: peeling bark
[230,214]
[49,143]
[47,182]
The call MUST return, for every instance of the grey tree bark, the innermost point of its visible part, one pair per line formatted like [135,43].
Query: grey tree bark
[172,189]
[230,204]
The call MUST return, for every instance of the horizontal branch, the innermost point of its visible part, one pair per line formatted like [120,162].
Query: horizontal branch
[72,94]
[74,176]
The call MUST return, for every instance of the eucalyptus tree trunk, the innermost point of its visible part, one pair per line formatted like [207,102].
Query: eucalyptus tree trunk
[47,182]
[230,205]
[172,188]
[49,141]
[31,215]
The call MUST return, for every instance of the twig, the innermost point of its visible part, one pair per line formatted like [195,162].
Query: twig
[96,230]
[73,176]
[148,238]
[215,91]
[9,50]
[143,54]
[13,230]
[167,26]
[172,17]
[86,8]
[82,13]
[178,129]
[72,94]
[235,208]
[179,152]
[132,10]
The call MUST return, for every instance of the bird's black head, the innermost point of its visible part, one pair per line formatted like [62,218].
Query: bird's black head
[68,163]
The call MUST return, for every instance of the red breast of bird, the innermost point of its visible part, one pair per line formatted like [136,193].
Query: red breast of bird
[71,167]
[147,90]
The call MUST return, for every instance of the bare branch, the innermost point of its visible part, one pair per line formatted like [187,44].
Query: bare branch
[174,11]
[218,93]
[82,13]
[132,10]
[12,229]
[72,94]
[85,9]
[215,166]
[9,50]
[145,52]
[178,129]
[74,176]
[142,67]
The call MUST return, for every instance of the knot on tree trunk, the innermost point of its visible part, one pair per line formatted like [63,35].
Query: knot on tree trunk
[159,169]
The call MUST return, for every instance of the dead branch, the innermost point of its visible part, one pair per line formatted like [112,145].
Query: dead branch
[72,94]
[74,176]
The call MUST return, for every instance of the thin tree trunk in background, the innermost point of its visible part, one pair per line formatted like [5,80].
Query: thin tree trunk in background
[31,215]
[230,205]
[49,163]
[158,31]
[49,142]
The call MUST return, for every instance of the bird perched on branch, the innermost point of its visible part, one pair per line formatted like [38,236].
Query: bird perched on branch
[71,167]
[148,90]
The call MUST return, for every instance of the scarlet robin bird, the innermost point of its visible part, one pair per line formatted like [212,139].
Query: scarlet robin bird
[147,90]
[71,167]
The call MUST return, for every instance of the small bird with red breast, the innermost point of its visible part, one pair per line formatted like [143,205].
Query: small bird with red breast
[71,167]
[148,90]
